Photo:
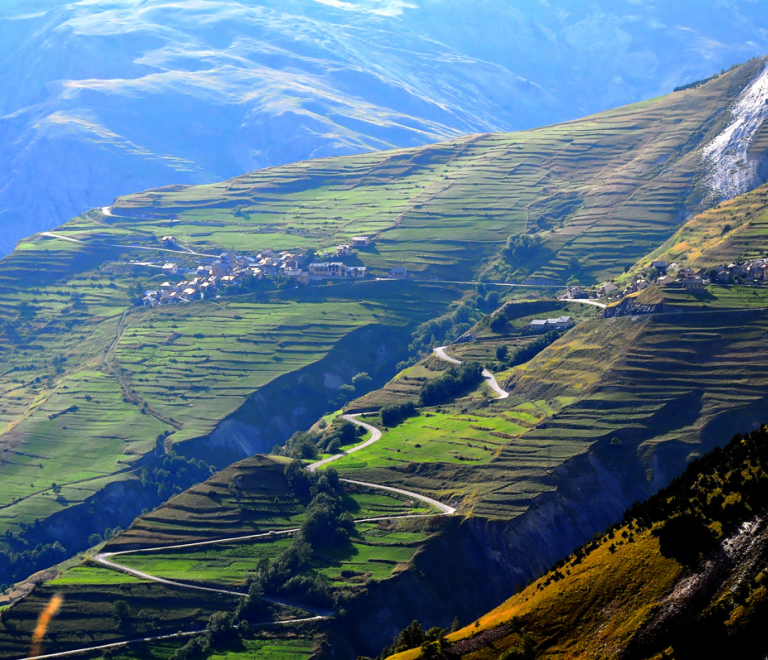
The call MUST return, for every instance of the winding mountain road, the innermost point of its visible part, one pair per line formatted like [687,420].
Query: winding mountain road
[375,437]
[106,558]
[489,377]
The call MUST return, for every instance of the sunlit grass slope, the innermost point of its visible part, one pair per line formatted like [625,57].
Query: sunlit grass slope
[625,388]
[76,348]
[638,590]
[733,231]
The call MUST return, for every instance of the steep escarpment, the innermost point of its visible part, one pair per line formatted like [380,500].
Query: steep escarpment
[473,564]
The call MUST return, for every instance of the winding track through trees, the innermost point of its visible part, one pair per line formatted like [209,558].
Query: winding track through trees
[489,377]
[105,558]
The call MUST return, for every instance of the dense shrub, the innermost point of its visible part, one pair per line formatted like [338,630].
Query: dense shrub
[449,384]
[521,248]
[531,350]
[397,413]
[325,524]
[308,444]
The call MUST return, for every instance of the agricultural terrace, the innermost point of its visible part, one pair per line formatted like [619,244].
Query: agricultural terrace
[87,616]
[612,184]
[732,231]
[657,380]
[268,645]
[73,346]
[516,334]
[251,497]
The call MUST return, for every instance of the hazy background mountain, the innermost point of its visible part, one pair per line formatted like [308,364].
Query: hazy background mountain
[101,98]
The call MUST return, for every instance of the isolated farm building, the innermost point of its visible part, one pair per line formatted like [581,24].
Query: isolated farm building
[606,289]
[693,283]
[344,251]
[398,273]
[660,265]
[168,241]
[576,293]
[545,325]
[361,241]
[170,269]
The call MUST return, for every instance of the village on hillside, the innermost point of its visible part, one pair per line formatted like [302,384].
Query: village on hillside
[231,270]
[747,273]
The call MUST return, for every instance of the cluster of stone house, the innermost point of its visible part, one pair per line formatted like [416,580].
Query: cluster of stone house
[231,270]
[747,272]
[228,270]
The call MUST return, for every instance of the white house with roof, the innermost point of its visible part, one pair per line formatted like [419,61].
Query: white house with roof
[606,289]
[170,269]
[545,325]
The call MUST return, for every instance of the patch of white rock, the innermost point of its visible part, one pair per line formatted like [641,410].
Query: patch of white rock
[731,170]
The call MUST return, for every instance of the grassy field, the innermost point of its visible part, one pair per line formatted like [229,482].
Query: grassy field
[260,501]
[275,646]
[624,385]
[590,190]
[374,553]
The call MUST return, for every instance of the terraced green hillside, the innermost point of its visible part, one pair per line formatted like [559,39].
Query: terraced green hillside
[607,413]
[599,193]
[94,390]
[733,231]
[109,409]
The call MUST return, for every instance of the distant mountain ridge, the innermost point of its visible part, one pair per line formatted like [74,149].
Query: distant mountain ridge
[106,98]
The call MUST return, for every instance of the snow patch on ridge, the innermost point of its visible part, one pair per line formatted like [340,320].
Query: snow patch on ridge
[731,171]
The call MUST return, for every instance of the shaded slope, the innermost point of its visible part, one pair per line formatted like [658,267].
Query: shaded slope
[641,589]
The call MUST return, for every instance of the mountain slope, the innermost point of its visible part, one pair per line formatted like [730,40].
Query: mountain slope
[606,414]
[102,98]
[598,192]
[681,577]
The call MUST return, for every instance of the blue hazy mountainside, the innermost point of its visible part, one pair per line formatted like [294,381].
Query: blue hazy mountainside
[106,97]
